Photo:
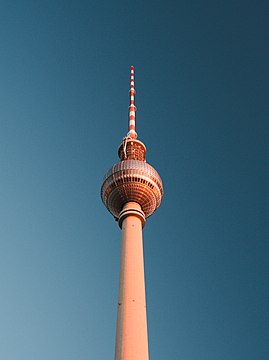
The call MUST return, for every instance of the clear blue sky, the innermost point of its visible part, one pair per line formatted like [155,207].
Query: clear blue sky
[202,110]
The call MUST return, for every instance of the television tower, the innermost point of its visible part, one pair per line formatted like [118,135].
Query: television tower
[132,190]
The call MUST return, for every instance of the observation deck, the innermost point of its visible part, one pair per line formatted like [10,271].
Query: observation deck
[132,179]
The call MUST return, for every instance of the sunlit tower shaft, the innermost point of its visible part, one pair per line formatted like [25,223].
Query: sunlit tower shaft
[132,190]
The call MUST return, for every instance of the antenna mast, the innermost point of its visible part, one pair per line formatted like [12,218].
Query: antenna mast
[132,108]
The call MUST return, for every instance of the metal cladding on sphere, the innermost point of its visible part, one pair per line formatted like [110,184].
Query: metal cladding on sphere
[132,180]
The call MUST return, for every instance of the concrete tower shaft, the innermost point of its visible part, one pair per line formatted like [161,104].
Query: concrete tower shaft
[132,334]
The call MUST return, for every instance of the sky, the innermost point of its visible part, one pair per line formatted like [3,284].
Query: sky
[202,111]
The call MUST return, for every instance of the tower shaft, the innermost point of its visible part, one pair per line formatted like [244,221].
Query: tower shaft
[132,337]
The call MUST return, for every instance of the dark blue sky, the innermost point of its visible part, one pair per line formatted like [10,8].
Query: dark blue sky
[202,110]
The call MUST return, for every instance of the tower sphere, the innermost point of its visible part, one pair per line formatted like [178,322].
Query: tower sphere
[132,180]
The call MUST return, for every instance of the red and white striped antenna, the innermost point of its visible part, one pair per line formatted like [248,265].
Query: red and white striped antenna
[132,108]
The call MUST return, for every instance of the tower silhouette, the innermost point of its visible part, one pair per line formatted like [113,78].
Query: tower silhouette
[132,190]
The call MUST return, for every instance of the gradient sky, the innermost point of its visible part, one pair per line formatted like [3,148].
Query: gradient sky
[202,111]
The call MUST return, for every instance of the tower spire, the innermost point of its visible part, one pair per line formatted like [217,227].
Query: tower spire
[132,108]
